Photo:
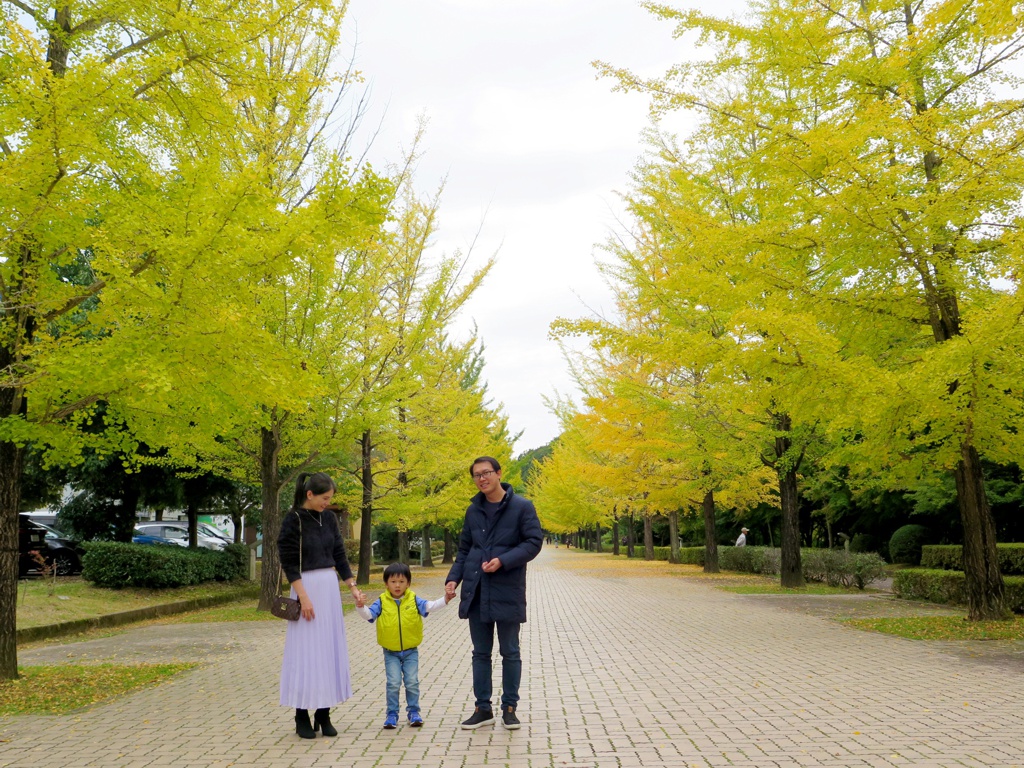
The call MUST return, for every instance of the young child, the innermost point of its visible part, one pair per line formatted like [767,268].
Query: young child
[398,615]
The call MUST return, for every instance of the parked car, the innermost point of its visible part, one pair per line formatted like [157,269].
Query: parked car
[56,548]
[138,537]
[177,533]
[208,530]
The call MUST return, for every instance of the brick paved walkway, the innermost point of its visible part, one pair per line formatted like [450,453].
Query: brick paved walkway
[624,666]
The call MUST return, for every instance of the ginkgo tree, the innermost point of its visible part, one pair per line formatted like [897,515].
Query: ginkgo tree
[874,161]
[125,219]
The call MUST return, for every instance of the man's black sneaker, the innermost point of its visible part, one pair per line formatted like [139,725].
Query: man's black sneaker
[509,719]
[478,718]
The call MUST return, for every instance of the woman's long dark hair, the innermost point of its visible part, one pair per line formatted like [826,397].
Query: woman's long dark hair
[318,482]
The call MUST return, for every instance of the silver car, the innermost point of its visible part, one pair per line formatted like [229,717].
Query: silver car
[178,534]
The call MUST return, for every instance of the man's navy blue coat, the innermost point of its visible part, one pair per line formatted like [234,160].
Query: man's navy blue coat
[515,539]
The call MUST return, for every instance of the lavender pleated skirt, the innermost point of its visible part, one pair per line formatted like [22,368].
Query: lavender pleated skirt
[315,672]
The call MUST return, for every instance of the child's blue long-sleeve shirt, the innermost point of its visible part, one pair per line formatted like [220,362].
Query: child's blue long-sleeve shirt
[372,612]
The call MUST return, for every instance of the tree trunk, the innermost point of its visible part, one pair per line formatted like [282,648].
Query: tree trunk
[403,547]
[16,309]
[648,537]
[270,490]
[985,594]
[630,536]
[673,536]
[449,548]
[366,519]
[615,537]
[129,515]
[11,459]
[792,569]
[785,468]
[597,538]
[427,560]
[710,534]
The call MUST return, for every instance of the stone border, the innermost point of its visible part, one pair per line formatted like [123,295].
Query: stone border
[46,631]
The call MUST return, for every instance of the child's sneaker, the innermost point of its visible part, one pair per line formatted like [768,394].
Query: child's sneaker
[415,720]
[509,719]
[478,718]
[391,721]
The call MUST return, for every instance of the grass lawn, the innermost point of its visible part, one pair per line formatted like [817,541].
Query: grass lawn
[943,628]
[59,689]
[243,610]
[74,598]
[775,589]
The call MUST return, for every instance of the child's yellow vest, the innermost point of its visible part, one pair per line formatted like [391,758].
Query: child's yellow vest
[399,628]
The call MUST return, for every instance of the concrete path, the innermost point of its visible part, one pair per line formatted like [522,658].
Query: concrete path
[625,665]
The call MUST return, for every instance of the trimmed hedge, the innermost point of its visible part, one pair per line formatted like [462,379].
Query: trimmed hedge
[154,566]
[692,555]
[950,557]
[835,567]
[660,553]
[832,566]
[949,587]
[905,544]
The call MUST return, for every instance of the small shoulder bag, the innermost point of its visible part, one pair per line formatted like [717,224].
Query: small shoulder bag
[282,606]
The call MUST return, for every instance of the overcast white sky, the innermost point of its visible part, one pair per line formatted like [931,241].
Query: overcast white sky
[533,148]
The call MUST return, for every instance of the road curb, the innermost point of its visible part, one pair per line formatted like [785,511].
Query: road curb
[47,631]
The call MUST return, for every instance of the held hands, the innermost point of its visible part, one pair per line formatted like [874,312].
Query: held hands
[490,566]
[358,596]
[449,591]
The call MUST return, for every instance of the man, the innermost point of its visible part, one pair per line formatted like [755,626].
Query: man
[742,540]
[500,535]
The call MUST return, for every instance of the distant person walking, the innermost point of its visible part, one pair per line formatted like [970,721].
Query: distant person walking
[315,671]
[742,540]
[500,535]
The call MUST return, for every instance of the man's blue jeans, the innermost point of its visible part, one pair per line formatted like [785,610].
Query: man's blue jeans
[403,666]
[482,634]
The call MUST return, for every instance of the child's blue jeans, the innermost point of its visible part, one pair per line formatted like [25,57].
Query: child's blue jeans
[403,666]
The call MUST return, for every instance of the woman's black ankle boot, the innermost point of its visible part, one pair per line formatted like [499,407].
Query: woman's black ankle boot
[322,722]
[302,724]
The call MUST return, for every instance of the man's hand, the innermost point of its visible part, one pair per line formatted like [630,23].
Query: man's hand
[491,565]
[449,591]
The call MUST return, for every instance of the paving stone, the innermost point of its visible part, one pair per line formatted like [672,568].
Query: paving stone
[624,666]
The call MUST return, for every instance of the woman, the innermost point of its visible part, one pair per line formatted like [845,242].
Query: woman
[315,672]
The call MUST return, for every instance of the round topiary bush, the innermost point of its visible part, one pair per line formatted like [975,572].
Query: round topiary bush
[905,544]
[864,542]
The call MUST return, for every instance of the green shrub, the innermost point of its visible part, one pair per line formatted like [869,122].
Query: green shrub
[864,542]
[660,553]
[153,566]
[692,555]
[235,562]
[352,552]
[905,544]
[835,567]
[949,587]
[763,560]
[950,557]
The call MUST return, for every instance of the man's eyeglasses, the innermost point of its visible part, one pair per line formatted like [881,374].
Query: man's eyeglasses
[483,475]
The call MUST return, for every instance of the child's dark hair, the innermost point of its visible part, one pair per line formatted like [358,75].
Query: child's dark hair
[397,569]
[318,482]
[490,460]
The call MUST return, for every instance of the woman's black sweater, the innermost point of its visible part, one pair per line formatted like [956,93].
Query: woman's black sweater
[322,545]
